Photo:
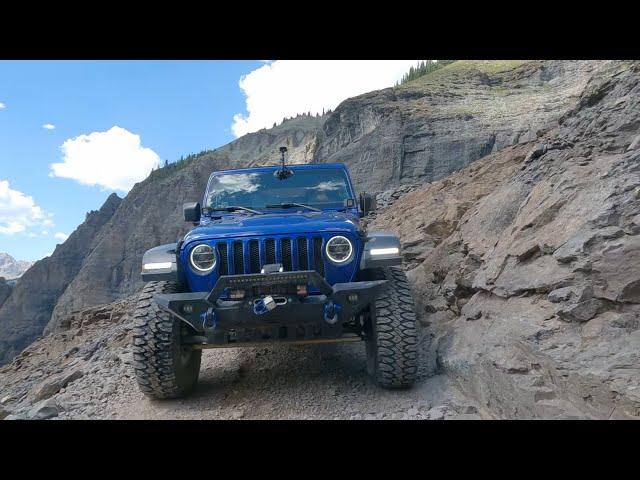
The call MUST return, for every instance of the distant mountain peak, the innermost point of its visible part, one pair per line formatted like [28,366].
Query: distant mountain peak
[10,268]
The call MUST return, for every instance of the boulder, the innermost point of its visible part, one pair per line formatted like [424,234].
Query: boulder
[52,385]
[43,410]
[581,311]
[536,151]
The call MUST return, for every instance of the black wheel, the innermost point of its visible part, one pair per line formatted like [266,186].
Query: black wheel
[391,337]
[164,367]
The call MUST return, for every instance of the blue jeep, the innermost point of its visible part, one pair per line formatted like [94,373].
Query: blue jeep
[278,254]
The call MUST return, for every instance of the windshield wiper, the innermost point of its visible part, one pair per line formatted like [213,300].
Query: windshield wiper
[235,208]
[292,205]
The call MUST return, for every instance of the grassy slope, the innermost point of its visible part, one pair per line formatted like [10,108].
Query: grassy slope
[490,67]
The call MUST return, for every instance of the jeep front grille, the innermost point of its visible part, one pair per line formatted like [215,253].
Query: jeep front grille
[222,255]
[303,257]
[254,257]
[238,258]
[249,256]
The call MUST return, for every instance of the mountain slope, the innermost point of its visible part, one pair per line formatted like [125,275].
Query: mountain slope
[440,123]
[28,308]
[525,265]
[5,290]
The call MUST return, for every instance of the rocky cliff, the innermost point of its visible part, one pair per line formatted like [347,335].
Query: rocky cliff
[442,122]
[525,264]
[27,310]
[5,290]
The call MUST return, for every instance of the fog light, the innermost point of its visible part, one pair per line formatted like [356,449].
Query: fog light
[187,308]
[353,298]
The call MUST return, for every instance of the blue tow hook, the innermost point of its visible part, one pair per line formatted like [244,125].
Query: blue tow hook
[209,319]
[331,312]
[263,305]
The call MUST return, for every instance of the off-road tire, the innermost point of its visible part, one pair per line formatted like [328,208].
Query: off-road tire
[164,367]
[391,339]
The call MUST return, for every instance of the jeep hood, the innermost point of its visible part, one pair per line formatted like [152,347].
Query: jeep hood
[273,224]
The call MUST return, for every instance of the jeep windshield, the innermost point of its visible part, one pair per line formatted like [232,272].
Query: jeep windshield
[309,189]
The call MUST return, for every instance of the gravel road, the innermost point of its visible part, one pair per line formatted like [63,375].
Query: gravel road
[86,373]
[275,382]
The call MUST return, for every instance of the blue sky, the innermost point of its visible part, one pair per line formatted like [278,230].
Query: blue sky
[177,108]
[109,122]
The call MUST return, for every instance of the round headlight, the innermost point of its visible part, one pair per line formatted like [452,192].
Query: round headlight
[202,258]
[339,249]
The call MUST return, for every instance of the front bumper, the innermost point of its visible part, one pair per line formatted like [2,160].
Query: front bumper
[218,321]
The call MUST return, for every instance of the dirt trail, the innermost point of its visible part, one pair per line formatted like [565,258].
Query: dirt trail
[270,382]
[297,382]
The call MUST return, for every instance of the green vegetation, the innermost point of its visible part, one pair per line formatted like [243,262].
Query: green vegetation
[485,66]
[430,74]
[169,168]
[423,68]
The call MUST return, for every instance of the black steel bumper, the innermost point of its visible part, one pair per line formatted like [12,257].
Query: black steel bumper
[294,318]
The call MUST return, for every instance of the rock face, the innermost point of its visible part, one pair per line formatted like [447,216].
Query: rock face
[525,264]
[28,308]
[442,122]
[10,268]
[5,290]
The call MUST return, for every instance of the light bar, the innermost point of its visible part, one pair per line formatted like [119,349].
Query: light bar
[385,251]
[157,266]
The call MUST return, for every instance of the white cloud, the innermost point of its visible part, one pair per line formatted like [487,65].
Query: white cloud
[2,105]
[18,211]
[114,159]
[285,88]
[61,236]
[48,126]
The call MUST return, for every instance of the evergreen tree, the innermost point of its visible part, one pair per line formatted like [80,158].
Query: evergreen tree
[423,68]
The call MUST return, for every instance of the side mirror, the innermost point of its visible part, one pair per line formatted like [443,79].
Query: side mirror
[367,204]
[191,211]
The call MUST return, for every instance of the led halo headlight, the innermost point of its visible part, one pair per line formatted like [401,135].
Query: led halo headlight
[202,258]
[339,249]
